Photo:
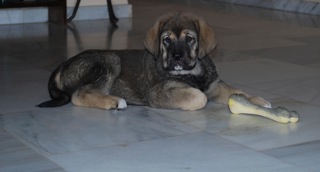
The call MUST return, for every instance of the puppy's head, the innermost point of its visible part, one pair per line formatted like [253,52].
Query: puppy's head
[180,40]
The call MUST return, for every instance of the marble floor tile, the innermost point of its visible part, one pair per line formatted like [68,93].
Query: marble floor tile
[304,155]
[224,55]
[30,44]
[218,119]
[253,42]
[301,89]
[262,134]
[202,114]
[10,62]
[262,70]
[284,31]
[200,152]
[21,96]
[311,40]
[295,54]
[11,32]
[14,156]
[252,131]
[256,91]
[12,76]
[68,129]
[314,65]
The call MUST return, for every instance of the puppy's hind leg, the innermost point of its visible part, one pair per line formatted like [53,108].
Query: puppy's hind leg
[95,99]
[100,78]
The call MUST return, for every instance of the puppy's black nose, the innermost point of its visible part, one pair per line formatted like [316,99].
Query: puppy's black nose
[177,56]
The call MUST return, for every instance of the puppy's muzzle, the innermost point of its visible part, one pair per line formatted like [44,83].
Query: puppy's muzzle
[177,65]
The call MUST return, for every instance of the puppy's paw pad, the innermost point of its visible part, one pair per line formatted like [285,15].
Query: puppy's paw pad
[122,104]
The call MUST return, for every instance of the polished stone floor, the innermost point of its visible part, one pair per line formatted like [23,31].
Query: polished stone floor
[259,52]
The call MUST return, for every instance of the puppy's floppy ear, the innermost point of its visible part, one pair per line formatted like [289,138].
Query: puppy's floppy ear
[152,38]
[152,41]
[207,39]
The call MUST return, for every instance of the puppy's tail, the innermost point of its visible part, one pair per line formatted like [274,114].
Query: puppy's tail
[59,97]
[59,101]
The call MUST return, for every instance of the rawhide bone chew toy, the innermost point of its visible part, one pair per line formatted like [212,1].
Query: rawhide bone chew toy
[239,104]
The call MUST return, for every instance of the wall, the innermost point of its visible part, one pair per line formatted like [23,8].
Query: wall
[122,9]
[298,6]
[71,3]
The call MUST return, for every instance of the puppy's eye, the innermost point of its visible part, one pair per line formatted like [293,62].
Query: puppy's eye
[166,40]
[189,38]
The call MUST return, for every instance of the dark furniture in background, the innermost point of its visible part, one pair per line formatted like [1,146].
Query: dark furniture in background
[112,17]
[56,8]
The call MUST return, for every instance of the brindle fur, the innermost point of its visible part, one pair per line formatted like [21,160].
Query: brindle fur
[175,71]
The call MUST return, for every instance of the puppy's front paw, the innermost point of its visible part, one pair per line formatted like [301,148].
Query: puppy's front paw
[122,104]
[117,104]
[260,101]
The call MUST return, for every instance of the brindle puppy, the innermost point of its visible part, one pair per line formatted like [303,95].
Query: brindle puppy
[175,71]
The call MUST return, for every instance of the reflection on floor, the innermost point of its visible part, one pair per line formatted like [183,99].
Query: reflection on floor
[259,53]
